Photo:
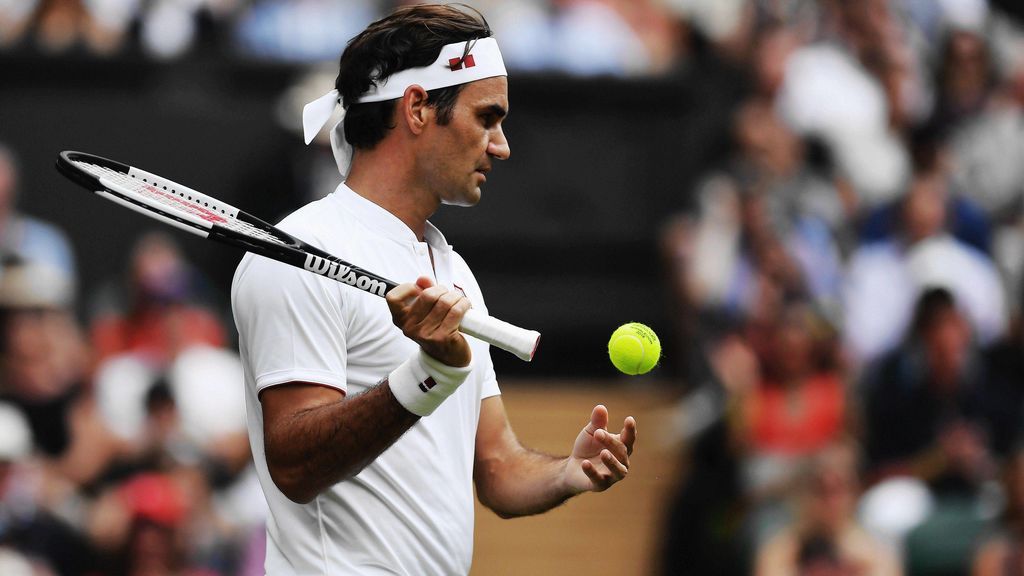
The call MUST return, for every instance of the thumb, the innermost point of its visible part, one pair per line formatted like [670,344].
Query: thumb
[598,419]
[424,282]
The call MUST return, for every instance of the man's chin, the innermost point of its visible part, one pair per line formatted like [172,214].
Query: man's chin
[466,200]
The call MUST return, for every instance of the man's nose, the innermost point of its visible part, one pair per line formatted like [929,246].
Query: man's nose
[498,146]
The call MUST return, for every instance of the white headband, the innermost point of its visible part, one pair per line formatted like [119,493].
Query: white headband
[450,68]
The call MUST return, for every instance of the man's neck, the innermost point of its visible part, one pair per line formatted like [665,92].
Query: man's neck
[389,181]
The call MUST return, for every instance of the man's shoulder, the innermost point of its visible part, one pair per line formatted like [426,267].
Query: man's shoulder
[313,213]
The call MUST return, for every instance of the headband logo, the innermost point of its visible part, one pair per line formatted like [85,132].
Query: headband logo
[456,63]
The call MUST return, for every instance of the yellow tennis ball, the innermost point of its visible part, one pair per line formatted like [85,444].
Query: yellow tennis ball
[634,348]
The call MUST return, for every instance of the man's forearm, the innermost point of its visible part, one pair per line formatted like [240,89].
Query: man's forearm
[523,483]
[320,446]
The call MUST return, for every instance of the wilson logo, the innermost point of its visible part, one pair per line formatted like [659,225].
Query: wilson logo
[342,273]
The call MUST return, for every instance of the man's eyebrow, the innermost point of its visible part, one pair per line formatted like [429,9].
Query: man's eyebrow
[496,109]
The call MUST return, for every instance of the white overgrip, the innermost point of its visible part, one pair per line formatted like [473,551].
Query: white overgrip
[519,341]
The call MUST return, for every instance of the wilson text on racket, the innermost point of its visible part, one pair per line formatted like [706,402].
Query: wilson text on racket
[341,273]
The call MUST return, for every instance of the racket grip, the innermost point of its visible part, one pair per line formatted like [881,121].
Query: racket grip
[519,341]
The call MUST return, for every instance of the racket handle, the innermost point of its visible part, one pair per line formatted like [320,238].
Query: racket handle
[519,341]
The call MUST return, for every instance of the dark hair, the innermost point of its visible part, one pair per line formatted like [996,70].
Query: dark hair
[817,548]
[930,305]
[410,37]
[926,142]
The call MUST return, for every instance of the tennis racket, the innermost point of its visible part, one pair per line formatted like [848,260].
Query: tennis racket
[202,215]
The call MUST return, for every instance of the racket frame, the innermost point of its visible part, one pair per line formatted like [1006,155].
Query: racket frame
[288,249]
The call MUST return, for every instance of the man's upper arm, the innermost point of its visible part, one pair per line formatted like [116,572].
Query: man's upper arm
[283,401]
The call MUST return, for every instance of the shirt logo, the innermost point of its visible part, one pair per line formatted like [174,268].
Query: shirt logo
[457,63]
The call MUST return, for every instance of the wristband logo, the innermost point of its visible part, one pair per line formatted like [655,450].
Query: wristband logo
[427,385]
[345,274]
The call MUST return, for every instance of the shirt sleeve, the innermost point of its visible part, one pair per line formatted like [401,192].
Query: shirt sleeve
[468,284]
[291,324]
[489,387]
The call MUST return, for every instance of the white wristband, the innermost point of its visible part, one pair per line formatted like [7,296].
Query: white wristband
[422,382]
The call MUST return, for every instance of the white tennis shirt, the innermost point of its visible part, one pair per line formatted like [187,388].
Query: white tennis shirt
[411,510]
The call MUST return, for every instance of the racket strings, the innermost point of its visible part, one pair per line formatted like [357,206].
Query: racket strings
[178,201]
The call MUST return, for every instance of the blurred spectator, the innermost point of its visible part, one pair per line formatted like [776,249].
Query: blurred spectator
[965,78]
[42,351]
[302,30]
[43,371]
[856,91]
[763,233]
[193,413]
[97,25]
[592,38]
[44,542]
[797,409]
[884,278]
[964,218]
[824,538]
[15,18]
[930,411]
[162,316]
[23,236]
[144,524]
[162,28]
[772,48]
[987,126]
[932,19]
[525,31]
[183,431]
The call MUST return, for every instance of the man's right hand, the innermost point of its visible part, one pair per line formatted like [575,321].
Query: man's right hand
[430,315]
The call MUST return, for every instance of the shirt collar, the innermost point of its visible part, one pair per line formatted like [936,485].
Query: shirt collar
[378,218]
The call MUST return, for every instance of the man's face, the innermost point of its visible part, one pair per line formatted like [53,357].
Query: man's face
[457,156]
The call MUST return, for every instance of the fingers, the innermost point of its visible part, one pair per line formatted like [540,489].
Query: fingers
[628,434]
[598,480]
[400,295]
[617,469]
[430,315]
[614,445]
[621,444]
[615,452]
[602,478]
[598,419]
[438,310]
[422,307]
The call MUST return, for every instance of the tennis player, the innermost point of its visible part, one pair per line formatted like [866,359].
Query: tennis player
[369,423]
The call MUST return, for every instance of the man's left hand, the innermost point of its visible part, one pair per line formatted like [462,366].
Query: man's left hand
[600,458]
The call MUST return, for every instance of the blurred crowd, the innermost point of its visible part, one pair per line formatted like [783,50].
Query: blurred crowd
[584,37]
[123,447]
[848,293]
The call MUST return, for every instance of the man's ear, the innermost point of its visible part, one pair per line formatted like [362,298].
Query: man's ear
[414,109]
